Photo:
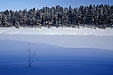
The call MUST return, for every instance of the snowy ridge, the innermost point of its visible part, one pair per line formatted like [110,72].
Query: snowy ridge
[58,31]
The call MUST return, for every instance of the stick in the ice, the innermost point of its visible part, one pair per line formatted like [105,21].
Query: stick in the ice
[31,58]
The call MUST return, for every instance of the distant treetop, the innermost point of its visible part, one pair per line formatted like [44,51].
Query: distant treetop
[100,16]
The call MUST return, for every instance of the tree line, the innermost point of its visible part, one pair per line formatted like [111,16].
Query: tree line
[95,16]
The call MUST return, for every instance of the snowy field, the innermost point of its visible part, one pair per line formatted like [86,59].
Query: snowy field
[61,51]
[58,31]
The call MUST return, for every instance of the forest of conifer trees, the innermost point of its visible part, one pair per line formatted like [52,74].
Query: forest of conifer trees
[94,16]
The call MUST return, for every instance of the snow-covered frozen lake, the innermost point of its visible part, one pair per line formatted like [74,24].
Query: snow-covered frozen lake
[63,51]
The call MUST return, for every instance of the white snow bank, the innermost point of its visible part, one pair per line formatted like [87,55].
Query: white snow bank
[65,41]
[57,31]
[62,37]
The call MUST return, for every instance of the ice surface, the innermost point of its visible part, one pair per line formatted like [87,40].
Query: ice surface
[62,51]
[53,60]
[66,41]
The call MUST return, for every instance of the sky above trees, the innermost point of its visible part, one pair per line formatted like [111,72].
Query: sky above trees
[22,4]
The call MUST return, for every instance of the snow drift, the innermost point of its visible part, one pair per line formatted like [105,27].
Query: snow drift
[58,31]
[62,51]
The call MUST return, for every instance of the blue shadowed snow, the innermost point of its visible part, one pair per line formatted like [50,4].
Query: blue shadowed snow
[53,60]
